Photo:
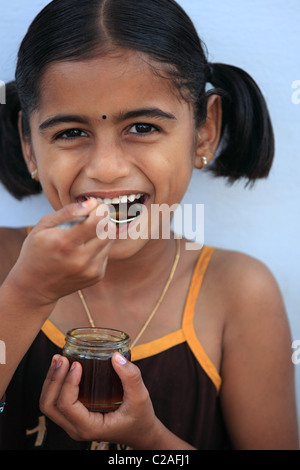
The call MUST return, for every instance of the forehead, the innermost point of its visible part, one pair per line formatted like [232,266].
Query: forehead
[108,80]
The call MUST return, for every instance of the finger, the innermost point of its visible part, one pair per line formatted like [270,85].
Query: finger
[135,392]
[72,222]
[96,226]
[67,213]
[69,392]
[51,390]
[71,414]
[75,225]
[53,382]
[98,250]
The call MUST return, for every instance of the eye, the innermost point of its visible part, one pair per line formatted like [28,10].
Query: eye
[142,128]
[70,134]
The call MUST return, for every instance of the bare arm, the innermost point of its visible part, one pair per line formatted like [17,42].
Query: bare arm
[52,263]
[21,319]
[258,396]
[19,323]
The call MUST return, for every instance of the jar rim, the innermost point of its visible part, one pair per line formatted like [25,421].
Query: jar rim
[95,337]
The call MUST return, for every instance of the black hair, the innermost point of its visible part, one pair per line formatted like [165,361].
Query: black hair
[79,29]
[13,170]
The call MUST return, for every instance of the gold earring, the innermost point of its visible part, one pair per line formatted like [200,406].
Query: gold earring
[204,161]
[34,175]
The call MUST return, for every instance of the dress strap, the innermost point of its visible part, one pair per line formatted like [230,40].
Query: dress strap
[195,285]
[188,316]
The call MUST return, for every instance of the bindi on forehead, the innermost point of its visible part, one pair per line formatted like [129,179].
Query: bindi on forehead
[104,116]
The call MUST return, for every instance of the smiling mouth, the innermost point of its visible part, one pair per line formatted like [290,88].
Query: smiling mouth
[123,209]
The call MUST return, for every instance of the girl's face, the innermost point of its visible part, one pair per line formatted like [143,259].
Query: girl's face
[109,127]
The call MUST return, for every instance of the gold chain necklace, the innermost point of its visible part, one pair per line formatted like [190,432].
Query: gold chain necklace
[173,269]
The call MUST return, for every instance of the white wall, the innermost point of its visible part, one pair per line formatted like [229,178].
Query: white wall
[261,36]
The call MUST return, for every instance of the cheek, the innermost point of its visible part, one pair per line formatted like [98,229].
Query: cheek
[56,174]
[182,162]
[182,174]
[181,181]
[56,184]
[174,178]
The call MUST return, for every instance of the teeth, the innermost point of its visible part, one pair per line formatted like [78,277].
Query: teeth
[120,200]
[117,200]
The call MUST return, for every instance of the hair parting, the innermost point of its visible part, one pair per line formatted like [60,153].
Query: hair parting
[98,27]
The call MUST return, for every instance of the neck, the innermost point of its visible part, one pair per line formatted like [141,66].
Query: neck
[149,287]
[145,268]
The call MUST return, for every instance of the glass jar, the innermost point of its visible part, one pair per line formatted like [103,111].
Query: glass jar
[100,388]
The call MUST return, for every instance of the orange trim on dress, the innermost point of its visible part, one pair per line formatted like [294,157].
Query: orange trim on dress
[53,333]
[157,346]
[188,317]
[186,333]
[138,352]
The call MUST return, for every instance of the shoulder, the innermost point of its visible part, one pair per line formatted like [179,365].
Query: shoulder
[11,241]
[243,275]
[234,284]
[247,287]
[256,366]
[239,299]
[255,326]
[251,291]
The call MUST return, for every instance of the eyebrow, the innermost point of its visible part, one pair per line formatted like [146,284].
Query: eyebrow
[61,118]
[67,118]
[148,112]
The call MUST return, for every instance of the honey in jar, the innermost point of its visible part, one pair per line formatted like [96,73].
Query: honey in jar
[100,388]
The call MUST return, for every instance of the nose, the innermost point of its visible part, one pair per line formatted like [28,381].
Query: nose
[107,162]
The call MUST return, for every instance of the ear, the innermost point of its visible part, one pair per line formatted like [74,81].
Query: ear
[26,147]
[208,135]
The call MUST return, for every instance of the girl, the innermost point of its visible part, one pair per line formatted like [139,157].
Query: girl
[109,105]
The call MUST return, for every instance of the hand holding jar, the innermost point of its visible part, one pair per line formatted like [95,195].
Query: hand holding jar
[133,423]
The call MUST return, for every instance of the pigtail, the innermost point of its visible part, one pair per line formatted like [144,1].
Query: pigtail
[14,174]
[247,141]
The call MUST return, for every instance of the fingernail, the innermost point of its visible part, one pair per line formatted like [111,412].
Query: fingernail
[120,359]
[54,360]
[89,203]
[73,366]
[58,364]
